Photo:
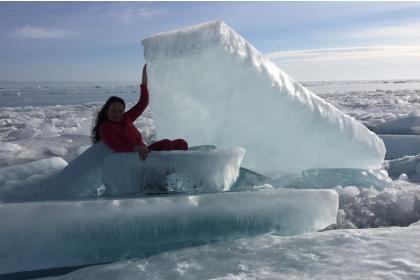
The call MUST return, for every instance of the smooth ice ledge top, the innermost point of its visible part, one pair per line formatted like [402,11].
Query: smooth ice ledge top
[194,39]
[209,85]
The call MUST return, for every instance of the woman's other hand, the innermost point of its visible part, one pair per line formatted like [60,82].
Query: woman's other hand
[144,75]
[142,151]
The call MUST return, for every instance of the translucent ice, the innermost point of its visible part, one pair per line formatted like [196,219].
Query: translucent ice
[375,254]
[39,235]
[402,126]
[22,182]
[209,85]
[328,178]
[408,165]
[398,146]
[397,205]
[201,170]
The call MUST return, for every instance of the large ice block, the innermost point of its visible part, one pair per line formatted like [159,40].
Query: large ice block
[201,171]
[41,235]
[209,85]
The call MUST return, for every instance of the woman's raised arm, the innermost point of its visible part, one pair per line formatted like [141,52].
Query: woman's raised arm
[141,105]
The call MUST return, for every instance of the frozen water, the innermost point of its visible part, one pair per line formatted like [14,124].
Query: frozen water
[81,178]
[371,102]
[13,94]
[122,173]
[25,138]
[38,235]
[209,85]
[198,171]
[398,146]
[376,254]
[35,132]
[398,205]
[317,179]
[405,125]
[329,178]
[408,165]
[22,182]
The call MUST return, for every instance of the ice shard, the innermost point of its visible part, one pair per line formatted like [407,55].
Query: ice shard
[41,235]
[209,85]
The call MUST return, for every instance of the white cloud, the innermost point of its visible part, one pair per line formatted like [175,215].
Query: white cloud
[405,31]
[356,63]
[352,53]
[129,14]
[35,32]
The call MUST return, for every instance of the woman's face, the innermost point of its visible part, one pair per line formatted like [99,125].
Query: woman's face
[115,112]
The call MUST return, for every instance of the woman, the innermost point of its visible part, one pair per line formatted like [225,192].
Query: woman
[116,129]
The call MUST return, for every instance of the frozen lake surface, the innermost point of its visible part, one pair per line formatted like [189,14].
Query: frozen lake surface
[49,119]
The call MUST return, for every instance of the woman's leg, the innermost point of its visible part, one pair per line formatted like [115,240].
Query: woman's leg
[161,145]
[168,145]
[180,144]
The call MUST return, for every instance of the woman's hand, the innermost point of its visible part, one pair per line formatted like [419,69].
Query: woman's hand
[142,151]
[144,75]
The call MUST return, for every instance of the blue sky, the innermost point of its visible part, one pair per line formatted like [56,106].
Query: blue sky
[72,41]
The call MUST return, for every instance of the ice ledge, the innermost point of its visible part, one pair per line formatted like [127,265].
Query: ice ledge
[45,235]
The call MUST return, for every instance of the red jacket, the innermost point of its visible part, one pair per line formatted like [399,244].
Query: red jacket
[123,136]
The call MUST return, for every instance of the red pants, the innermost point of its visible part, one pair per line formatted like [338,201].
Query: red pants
[168,145]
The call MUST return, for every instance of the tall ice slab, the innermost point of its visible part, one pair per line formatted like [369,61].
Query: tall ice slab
[209,85]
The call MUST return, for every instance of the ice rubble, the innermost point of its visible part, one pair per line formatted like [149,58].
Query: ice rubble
[376,254]
[398,205]
[23,181]
[209,85]
[29,133]
[191,171]
[40,235]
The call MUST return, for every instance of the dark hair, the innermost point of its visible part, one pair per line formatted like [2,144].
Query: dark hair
[102,116]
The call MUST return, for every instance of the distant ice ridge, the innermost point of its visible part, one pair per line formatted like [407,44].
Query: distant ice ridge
[400,135]
[209,85]
[398,146]
[40,235]
[402,126]
[375,254]
[192,171]
[408,166]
